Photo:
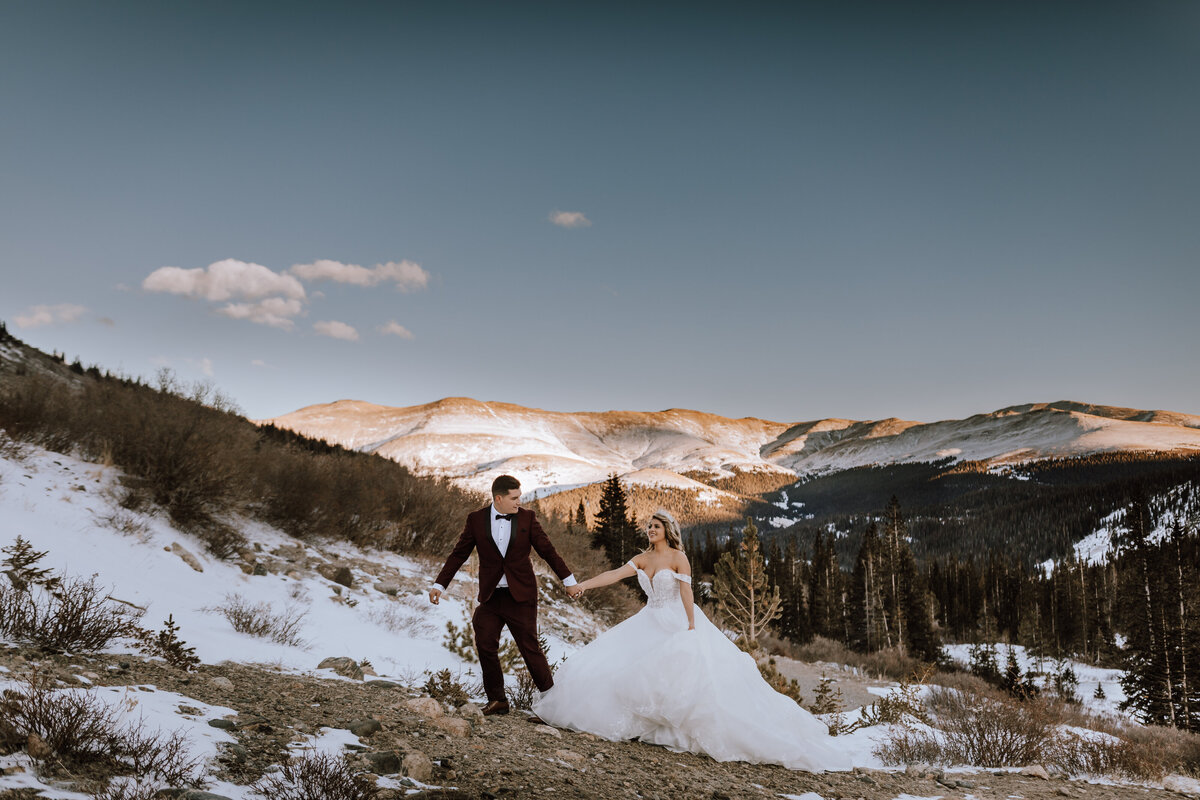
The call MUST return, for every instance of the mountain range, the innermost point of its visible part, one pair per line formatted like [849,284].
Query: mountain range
[471,441]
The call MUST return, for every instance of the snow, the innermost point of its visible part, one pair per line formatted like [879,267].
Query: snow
[60,504]
[66,506]
[1089,676]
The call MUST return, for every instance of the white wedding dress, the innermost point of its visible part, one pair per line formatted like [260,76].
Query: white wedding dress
[652,679]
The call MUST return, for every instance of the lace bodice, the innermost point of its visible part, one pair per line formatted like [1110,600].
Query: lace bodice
[663,588]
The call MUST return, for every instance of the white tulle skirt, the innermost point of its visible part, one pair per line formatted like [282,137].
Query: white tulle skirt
[652,679]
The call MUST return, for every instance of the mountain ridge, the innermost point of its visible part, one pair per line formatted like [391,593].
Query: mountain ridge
[470,441]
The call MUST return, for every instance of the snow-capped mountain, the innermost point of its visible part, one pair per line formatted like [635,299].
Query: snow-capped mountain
[472,441]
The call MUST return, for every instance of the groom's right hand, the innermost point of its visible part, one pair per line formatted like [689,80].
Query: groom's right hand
[434,594]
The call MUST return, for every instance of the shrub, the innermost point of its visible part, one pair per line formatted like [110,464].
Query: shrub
[80,729]
[167,645]
[20,563]
[320,776]
[78,616]
[259,619]
[899,705]
[443,686]
[780,682]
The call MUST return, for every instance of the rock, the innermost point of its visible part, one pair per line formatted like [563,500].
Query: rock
[1035,771]
[867,779]
[294,574]
[1062,791]
[246,568]
[15,769]
[187,557]
[470,711]
[260,569]
[379,683]
[417,766]
[364,727]
[196,794]
[221,682]
[386,762]
[346,667]
[453,726]
[388,587]
[237,752]
[547,730]
[425,706]
[1181,785]
[337,574]
[369,670]
[965,784]
[570,756]
[37,748]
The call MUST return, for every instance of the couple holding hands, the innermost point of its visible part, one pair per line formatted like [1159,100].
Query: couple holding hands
[666,675]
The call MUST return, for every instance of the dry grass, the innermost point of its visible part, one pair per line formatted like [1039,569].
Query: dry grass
[890,663]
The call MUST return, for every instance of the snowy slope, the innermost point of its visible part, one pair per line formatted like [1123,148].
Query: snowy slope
[473,441]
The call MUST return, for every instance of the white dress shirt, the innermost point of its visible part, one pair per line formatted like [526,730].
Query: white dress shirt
[502,535]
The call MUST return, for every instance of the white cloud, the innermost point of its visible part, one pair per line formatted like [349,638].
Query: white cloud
[205,365]
[224,280]
[336,330]
[394,328]
[274,311]
[407,275]
[48,315]
[258,362]
[570,219]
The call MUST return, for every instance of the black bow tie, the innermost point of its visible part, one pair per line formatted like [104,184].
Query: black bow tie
[509,517]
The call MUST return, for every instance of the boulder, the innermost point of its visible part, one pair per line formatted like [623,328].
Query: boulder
[187,557]
[454,726]
[425,706]
[220,682]
[417,766]
[1036,771]
[548,731]
[344,666]
[364,727]
[388,587]
[386,762]
[337,574]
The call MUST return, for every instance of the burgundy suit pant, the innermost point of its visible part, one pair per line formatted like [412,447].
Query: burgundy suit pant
[521,618]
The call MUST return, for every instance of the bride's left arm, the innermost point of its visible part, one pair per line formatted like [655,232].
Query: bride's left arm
[684,570]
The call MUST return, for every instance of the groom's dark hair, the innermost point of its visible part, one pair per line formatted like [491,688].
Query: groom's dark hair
[504,484]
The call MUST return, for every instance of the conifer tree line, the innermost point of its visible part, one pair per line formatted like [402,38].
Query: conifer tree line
[1139,610]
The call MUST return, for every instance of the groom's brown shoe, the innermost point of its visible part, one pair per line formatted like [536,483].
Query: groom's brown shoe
[495,707]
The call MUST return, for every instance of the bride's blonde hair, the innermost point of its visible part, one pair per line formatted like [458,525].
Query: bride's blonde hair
[674,540]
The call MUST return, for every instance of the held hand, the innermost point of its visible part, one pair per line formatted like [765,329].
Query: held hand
[434,594]
[575,591]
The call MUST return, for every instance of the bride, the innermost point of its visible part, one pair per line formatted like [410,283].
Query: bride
[667,675]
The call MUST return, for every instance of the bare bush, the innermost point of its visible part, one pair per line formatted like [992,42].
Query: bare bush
[990,729]
[125,522]
[81,729]
[890,662]
[525,692]
[77,616]
[260,619]
[399,618]
[319,776]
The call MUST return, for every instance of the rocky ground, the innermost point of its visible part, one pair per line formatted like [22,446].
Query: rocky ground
[405,734]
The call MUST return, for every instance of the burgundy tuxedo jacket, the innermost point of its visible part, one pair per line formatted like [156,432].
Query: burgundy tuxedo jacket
[514,565]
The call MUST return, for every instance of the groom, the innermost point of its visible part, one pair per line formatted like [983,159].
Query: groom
[503,532]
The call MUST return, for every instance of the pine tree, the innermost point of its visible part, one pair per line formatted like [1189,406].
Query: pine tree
[868,617]
[741,589]
[581,517]
[614,530]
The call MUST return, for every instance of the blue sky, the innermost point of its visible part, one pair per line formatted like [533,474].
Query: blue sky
[785,211]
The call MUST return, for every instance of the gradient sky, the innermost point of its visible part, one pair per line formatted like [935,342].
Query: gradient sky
[788,211]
